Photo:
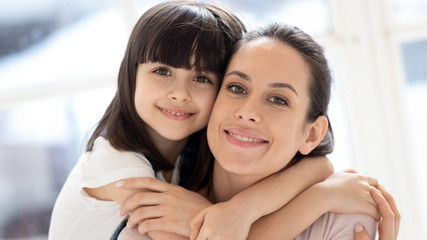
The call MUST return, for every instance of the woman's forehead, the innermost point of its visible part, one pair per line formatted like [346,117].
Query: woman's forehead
[269,56]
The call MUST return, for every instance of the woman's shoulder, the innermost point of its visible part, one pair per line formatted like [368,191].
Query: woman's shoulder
[338,226]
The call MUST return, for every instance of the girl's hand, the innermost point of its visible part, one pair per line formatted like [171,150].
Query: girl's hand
[164,207]
[388,227]
[225,220]
[350,192]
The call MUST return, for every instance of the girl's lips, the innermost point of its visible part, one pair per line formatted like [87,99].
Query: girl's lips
[244,138]
[175,114]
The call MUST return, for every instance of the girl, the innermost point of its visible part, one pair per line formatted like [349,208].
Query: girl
[154,126]
[275,94]
[168,81]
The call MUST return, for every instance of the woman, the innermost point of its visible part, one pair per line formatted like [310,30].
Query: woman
[276,92]
[271,111]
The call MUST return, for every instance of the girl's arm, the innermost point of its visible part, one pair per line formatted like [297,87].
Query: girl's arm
[115,192]
[230,217]
[343,192]
[111,192]
[163,209]
[233,219]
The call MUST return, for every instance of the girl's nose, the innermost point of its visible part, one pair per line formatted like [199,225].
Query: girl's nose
[180,94]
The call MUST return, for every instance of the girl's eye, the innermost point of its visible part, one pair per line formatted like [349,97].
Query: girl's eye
[236,89]
[278,101]
[202,79]
[162,71]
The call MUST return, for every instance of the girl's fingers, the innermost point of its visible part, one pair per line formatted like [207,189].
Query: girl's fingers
[147,183]
[387,224]
[139,199]
[151,225]
[371,180]
[195,224]
[369,199]
[373,212]
[393,206]
[144,213]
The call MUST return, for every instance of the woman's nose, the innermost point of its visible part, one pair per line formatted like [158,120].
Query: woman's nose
[248,112]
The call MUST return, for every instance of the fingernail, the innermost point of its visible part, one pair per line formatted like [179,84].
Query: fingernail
[120,183]
[358,228]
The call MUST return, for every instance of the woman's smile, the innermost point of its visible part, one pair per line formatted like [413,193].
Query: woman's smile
[259,119]
[244,138]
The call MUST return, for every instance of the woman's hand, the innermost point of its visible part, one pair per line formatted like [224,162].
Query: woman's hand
[388,227]
[226,220]
[162,207]
[350,192]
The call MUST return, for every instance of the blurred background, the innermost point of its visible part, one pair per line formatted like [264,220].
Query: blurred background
[59,60]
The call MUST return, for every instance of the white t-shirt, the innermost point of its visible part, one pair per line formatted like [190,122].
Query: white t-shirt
[76,215]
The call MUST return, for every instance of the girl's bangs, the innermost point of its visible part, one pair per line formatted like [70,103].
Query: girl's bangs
[187,45]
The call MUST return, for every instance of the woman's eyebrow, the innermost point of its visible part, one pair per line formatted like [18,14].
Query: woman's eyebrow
[283,85]
[273,85]
[239,74]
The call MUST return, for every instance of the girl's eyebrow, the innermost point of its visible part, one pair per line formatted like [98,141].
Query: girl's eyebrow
[273,85]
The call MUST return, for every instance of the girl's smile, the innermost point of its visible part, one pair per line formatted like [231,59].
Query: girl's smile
[174,102]
[176,114]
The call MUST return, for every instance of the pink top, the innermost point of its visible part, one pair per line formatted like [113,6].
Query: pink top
[330,226]
[338,226]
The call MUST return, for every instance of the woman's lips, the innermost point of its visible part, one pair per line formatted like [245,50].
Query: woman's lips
[244,138]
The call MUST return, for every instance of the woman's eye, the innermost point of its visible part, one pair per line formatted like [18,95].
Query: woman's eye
[202,79]
[278,101]
[236,89]
[162,71]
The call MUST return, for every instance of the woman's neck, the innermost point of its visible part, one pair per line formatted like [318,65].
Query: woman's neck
[226,184]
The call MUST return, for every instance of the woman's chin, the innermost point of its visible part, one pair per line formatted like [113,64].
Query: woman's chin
[238,167]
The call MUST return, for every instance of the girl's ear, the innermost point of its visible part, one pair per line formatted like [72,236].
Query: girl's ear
[317,131]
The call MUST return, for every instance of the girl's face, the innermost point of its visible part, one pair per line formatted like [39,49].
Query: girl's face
[174,102]
[259,122]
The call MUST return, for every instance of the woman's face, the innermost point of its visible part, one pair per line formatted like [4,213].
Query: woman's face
[258,122]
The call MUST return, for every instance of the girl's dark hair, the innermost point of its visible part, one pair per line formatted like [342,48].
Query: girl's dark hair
[171,33]
[320,82]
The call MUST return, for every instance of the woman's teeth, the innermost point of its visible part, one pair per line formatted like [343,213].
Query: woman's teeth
[245,139]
